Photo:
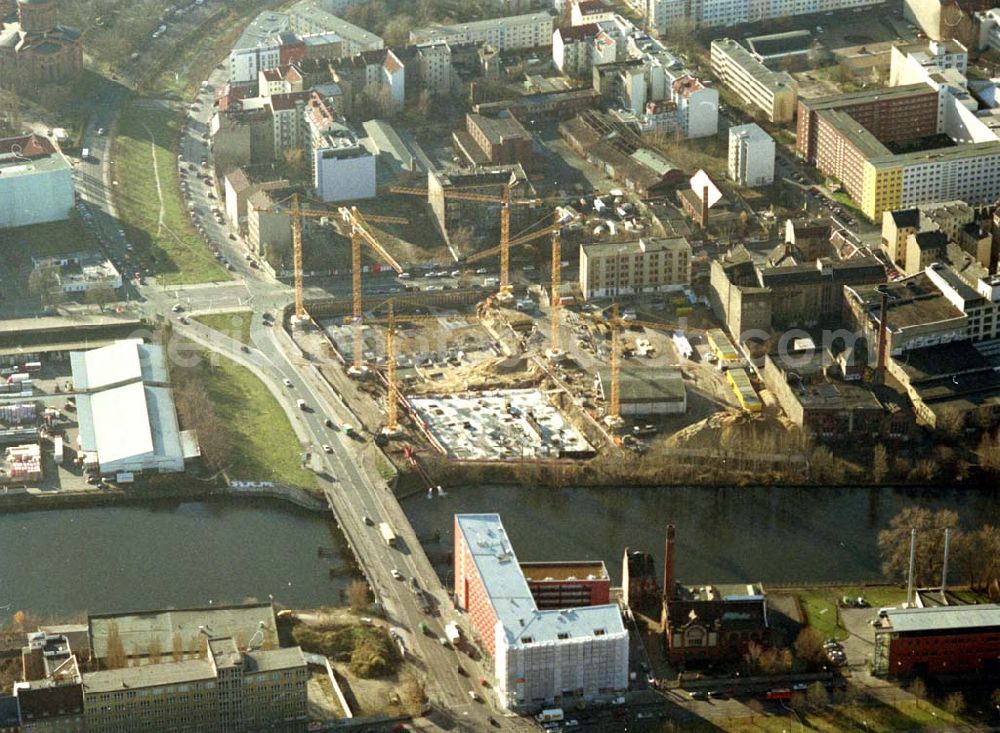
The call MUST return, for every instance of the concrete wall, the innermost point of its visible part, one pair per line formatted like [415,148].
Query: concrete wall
[36,198]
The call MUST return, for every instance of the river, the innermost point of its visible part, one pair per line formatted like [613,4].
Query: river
[141,557]
[133,557]
[776,535]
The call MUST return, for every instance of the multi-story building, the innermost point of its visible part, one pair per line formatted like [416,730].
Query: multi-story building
[239,186]
[913,62]
[853,137]
[924,249]
[586,12]
[241,138]
[289,122]
[38,49]
[573,48]
[540,657]
[930,308]
[951,218]
[379,75]
[342,168]
[660,15]
[228,690]
[36,182]
[772,92]
[613,269]
[269,230]
[434,67]
[478,222]
[275,38]
[50,695]
[937,640]
[510,33]
[751,156]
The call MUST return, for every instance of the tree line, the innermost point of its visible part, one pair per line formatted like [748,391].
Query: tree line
[973,556]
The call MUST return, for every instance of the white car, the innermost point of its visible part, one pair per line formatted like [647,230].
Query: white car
[287,382]
[327,448]
[396,574]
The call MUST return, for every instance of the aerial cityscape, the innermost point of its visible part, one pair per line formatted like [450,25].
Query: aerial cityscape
[460,365]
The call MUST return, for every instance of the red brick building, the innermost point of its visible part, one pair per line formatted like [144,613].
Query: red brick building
[499,140]
[38,49]
[568,584]
[938,640]
[471,595]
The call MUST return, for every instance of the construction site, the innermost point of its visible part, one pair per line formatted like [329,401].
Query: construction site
[515,367]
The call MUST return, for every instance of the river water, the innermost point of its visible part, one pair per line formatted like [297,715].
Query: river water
[143,557]
[130,558]
[723,535]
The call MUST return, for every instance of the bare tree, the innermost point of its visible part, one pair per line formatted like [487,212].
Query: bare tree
[894,543]
[100,296]
[177,651]
[114,655]
[919,690]
[809,647]
[954,704]
[45,283]
[880,464]
[817,696]
[357,595]
[155,651]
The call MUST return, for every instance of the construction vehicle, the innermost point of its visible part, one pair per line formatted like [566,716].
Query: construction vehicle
[505,202]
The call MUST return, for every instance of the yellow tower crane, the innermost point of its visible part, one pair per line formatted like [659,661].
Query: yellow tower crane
[615,323]
[296,213]
[555,299]
[505,202]
[392,388]
[361,234]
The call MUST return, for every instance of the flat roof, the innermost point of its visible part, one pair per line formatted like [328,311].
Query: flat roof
[523,623]
[148,675]
[913,301]
[662,384]
[943,618]
[496,129]
[138,628]
[569,570]
[645,245]
[312,12]
[773,80]
[850,99]
[438,31]
[272,660]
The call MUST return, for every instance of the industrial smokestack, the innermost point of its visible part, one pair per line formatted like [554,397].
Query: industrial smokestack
[944,566]
[668,564]
[882,332]
[913,560]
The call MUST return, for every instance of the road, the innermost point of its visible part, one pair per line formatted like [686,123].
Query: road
[350,481]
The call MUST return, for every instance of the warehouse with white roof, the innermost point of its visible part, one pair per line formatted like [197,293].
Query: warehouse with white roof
[128,423]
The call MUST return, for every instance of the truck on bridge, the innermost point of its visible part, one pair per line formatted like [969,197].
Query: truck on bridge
[387,534]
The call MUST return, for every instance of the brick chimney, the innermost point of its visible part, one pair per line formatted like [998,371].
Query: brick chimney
[668,564]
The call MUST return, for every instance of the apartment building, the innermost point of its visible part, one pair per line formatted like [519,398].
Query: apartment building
[751,156]
[342,168]
[514,32]
[661,14]
[269,230]
[378,74]
[772,92]
[275,38]
[559,656]
[586,12]
[913,62]
[289,131]
[434,67]
[572,48]
[848,136]
[613,269]
[476,221]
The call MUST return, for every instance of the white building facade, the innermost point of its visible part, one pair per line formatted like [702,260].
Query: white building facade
[751,156]
[513,32]
[36,182]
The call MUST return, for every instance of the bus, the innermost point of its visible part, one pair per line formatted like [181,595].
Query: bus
[32,366]
[780,693]
[387,534]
